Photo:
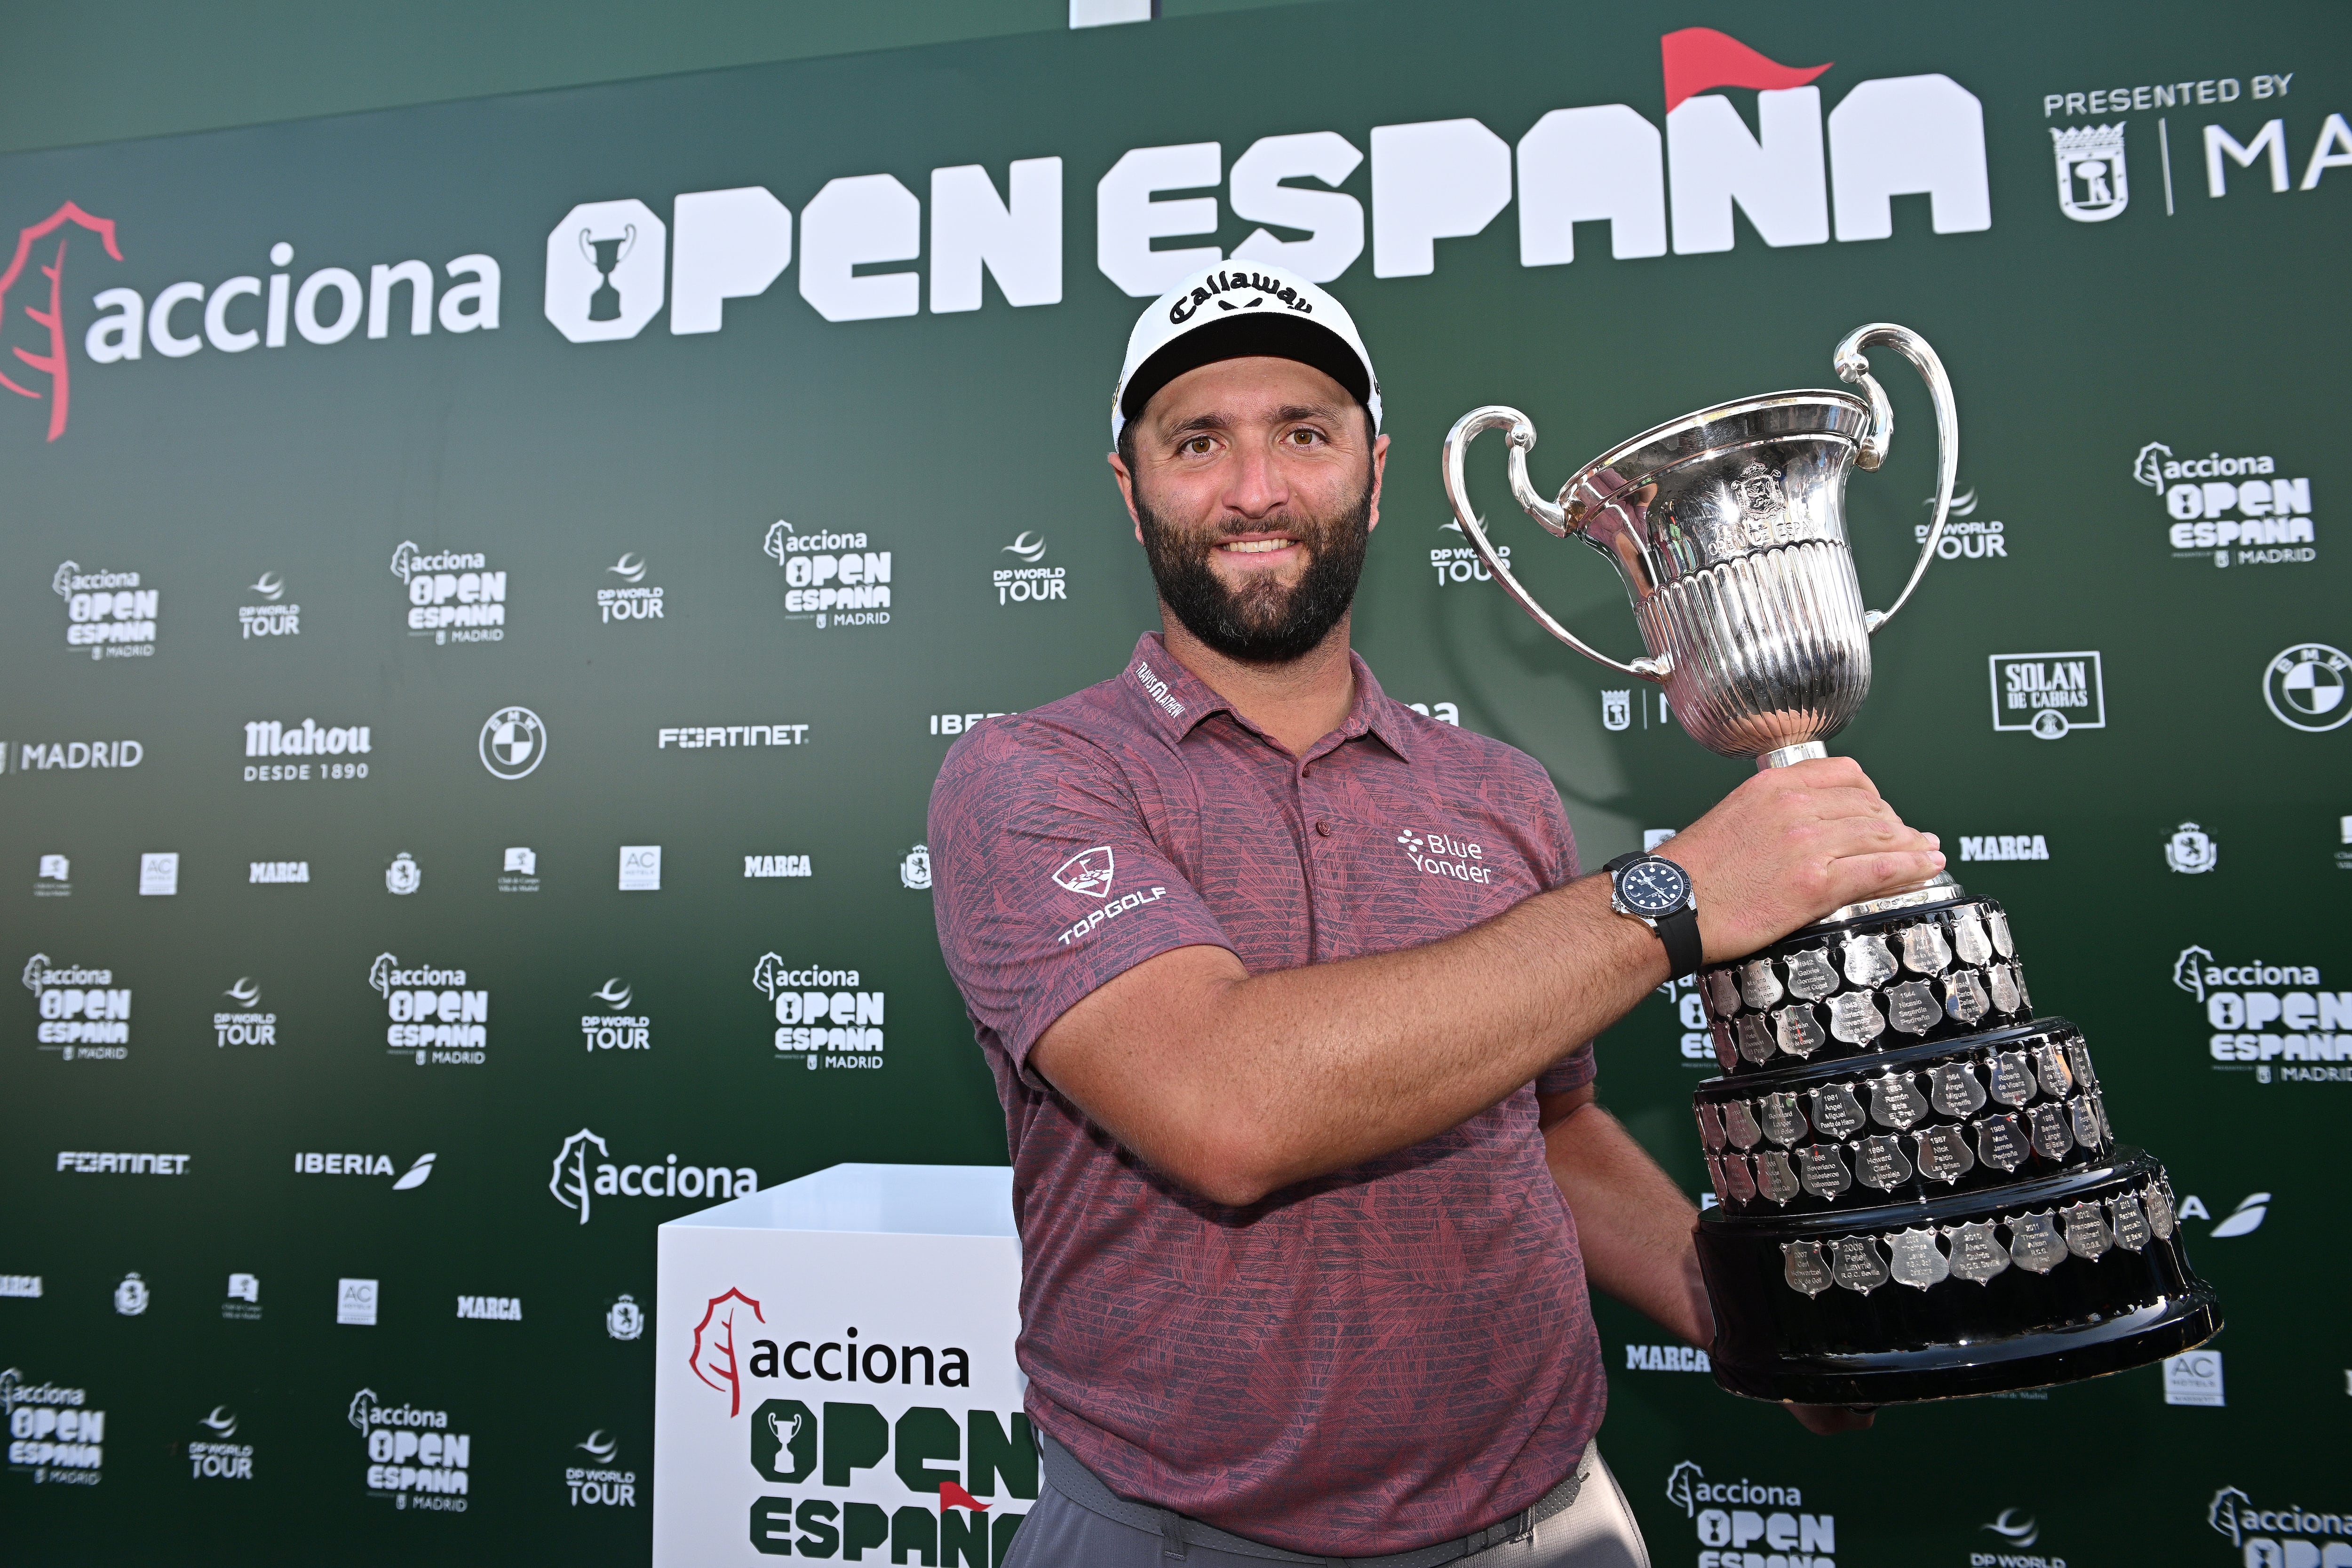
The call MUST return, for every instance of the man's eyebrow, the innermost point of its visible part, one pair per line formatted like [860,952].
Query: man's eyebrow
[1288,415]
[1197,423]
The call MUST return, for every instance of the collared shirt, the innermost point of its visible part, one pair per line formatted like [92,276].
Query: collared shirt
[1372,1361]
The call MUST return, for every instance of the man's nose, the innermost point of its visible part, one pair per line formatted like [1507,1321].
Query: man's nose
[1258,486]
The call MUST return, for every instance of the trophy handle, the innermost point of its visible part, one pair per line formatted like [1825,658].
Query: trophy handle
[1550,516]
[1853,368]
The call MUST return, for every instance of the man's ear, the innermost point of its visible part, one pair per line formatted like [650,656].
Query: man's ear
[1127,492]
[1379,466]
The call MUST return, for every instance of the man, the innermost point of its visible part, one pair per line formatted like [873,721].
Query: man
[1289,992]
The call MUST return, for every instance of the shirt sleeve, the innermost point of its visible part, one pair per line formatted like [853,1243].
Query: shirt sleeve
[1572,1071]
[1046,879]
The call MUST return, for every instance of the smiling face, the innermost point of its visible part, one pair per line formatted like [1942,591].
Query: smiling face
[1255,485]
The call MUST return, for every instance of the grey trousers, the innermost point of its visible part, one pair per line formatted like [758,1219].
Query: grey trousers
[1597,1531]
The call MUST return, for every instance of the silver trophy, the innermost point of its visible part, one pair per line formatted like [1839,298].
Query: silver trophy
[1918,1195]
[1729,526]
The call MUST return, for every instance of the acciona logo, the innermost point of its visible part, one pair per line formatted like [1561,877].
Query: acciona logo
[56,1436]
[2279,1535]
[2279,1017]
[2236,510]
[1744,1514]
[341,751]
[434,1016]
[413,1457]
[85,1016]
[107,612]
[453,597]
[584,1171]
[832,579]
[821,1015]
[234,316]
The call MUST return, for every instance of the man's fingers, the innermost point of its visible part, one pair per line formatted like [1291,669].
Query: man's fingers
[1859,877]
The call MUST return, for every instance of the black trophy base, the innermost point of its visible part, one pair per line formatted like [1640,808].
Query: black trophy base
[2073,1318]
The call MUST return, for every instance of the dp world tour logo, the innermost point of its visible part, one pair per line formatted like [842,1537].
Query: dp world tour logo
[51,361]
[1087,872]
[713,1357]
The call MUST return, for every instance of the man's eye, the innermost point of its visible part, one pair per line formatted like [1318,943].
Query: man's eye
[1199,445]
[1305,437]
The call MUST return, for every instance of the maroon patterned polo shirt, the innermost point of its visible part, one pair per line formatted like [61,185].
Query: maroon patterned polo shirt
[1365,1362]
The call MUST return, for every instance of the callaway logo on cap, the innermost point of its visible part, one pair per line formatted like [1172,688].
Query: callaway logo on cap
[1235,311]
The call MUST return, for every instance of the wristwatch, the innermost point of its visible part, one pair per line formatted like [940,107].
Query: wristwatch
[1657,892]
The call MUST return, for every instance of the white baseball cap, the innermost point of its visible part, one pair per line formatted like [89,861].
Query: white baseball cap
[1234,310]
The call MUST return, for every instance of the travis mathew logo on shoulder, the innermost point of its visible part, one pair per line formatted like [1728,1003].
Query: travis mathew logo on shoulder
[107,612]
[451,596]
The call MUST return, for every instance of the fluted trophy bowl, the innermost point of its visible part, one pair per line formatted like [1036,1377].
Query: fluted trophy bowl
[1729,529]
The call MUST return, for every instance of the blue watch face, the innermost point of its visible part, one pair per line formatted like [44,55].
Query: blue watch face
[1653,888]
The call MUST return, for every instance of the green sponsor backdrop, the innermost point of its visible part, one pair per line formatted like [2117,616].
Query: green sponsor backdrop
[2211,325]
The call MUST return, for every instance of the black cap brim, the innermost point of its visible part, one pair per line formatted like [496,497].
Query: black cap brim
[1283,336]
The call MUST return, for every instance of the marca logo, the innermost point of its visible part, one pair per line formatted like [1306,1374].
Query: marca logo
[433,1015]
[413,1457]
[85,1016]
[835,1028]
[269,618]
[491,1308]
[1795,1536]
[22,1287]
[826,574]
[2005,846]
[451,596]
[1087,872]
[2049,695]
[2237,510]
[2292,1027]
[53,1434]
[777,866]
[107,612]
[577,1180]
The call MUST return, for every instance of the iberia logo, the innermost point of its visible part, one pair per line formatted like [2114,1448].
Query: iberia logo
[713,1358]
[52,362]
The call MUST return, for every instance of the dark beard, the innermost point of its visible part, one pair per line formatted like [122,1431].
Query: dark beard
[1263,624]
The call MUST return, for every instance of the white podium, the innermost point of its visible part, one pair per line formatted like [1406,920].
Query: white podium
[835,1376]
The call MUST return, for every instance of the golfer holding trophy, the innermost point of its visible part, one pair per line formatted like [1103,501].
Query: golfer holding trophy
[1919,1192]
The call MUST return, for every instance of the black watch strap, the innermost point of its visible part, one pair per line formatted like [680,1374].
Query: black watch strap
[1685,950]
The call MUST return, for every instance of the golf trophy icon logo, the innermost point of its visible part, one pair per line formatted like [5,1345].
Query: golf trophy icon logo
[1892,1111]
[605,256]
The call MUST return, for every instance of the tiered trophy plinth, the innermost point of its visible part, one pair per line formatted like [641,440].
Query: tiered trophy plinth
[1919,1194]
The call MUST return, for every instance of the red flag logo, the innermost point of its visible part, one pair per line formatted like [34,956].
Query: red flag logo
[713,1361]
[1700,58]
[954,1496]
[54,363]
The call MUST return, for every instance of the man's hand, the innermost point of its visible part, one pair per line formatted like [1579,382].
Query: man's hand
[1789,845]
